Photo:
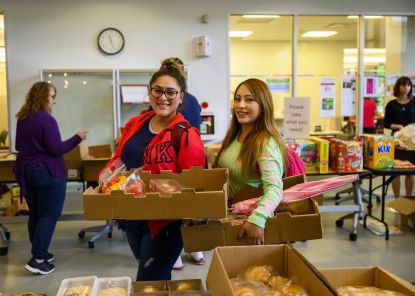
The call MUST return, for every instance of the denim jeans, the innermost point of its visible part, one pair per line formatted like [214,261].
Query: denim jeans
[45,197]
[155,255]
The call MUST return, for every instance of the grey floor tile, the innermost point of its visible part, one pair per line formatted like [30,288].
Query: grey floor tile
[112,257]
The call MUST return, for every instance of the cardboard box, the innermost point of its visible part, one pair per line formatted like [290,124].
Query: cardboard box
[284,227]
[7,161]
[406,207]
[94,161]
[166,288]
[379,151]
[322,148]
[227,262]
[367,276]
[73,164]
[204,196]
[211,152]
[147,286]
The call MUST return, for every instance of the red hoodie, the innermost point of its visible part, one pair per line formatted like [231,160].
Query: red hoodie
[159,153]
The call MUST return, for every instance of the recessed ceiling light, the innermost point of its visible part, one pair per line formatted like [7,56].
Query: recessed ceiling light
[366,16]
[271,16]
[319,34]
[240,33]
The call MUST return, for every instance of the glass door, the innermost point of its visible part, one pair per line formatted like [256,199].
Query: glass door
[85,101]
[132,93]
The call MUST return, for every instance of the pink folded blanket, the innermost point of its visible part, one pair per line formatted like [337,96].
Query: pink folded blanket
[299,192]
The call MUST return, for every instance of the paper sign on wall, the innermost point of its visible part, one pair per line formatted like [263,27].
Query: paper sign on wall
[328,96]
[371,87]
[278,84]
[296,117]
[348,95]
[134,94]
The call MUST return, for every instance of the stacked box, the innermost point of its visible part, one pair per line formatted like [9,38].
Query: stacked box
[284,227]
[322,149]
[378,151]
[94,161]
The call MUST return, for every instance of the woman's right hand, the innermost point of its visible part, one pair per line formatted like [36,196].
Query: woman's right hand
[82,134]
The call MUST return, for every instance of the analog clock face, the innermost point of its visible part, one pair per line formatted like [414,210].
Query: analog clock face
[111,41]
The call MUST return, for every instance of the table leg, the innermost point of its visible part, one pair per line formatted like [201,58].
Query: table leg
[369,205]
[384,186]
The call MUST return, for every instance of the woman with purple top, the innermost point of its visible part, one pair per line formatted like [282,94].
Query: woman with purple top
[40,170]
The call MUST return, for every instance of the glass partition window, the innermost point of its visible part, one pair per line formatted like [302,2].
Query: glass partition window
[323,75]
[261,47]
[4,126]
[389,54]
[132,78]
[84,101]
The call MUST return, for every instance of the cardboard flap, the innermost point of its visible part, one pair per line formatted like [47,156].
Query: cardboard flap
[100,151]
[403,205]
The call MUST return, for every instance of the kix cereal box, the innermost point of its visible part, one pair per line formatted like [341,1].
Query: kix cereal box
[322,160]
[379,151]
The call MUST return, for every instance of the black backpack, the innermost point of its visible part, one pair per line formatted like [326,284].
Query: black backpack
[176,136]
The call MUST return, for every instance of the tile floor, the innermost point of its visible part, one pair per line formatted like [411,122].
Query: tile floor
[112,257]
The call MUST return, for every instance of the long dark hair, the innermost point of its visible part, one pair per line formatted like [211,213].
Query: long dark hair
[403,80]
[265,128]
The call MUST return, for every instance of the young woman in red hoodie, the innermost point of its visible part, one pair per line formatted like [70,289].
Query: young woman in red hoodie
[146,142]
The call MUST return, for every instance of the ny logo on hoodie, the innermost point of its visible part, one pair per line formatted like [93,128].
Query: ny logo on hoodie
[159,153]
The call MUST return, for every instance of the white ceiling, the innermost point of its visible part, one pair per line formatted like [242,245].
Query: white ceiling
[280,29]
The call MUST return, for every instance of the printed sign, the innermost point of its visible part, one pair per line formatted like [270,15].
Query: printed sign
[296,117]
[327,96]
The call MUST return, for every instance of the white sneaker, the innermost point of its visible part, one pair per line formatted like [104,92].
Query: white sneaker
[178,265]
[197,258]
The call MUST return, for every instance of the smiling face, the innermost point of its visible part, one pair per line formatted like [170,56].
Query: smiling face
[245,107]
[165,96]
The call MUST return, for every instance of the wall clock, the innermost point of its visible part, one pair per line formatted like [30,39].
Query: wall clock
[111,41]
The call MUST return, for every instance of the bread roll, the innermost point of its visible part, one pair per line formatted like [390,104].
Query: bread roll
[114,291]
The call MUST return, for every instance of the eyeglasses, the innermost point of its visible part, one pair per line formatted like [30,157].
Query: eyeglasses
[171,94]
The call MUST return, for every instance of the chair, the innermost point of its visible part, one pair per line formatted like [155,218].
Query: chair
[100,230]
[350,192]
[3,137]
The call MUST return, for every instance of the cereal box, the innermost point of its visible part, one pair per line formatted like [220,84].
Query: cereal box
[346,156]
[379,151]
[308,154]
[322,161]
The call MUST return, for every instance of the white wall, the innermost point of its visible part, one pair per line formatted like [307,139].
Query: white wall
[62,34]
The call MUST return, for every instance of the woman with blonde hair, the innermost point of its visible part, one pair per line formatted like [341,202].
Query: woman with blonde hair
[254,153]
[40,170]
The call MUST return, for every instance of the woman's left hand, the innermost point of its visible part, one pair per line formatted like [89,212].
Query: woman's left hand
[254,233]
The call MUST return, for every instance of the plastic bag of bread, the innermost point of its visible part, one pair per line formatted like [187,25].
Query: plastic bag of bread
[134,184]
[286,286]
[242,287]
[259,273]
[117,286]
[365,290]
[165,186]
